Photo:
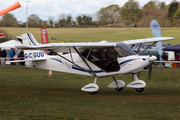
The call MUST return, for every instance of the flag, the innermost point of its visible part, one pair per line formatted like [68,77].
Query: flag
[44,36]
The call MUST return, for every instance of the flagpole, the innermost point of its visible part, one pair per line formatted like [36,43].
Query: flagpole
[27,15]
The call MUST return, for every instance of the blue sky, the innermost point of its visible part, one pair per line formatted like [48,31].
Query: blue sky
[53,8]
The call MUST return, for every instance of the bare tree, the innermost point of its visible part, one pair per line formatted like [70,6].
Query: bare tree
[51,20]
[8,20]
[34,21]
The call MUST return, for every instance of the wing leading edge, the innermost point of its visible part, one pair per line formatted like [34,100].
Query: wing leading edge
[64,47]
[147,40]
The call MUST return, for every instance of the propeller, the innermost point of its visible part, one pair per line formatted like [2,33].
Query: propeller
[151,59]
[150,66]
[150,70]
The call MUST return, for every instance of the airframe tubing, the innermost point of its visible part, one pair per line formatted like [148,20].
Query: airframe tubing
[71,62]
[85,62]
[115,81]
[147,48]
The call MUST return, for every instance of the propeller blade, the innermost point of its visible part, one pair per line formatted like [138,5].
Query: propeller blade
[150,71]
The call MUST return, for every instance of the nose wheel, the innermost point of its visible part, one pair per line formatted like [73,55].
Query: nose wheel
[139,89]
[139,85]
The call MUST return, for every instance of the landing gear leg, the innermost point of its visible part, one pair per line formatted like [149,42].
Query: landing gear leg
[117,87]
[92,88]
[139,85]
[94,92]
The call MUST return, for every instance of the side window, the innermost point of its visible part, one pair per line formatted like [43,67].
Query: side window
[122,52]
[104,58]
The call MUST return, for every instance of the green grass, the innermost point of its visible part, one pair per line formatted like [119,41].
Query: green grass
[96,34]
[29,94]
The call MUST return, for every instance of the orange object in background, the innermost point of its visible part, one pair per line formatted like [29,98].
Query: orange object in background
[174,65]
[50,73]
[10,8]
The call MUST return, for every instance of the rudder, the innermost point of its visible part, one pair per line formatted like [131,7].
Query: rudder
[29,40]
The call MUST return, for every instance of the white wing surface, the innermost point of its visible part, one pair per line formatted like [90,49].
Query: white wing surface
[147,40]
[64,47]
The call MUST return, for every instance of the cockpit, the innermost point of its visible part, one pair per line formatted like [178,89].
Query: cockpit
[106,58]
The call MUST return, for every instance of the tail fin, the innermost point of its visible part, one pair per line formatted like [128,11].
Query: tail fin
[32,55]
[155,28]
[29,40]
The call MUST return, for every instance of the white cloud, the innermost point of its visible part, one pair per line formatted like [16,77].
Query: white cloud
[47,8]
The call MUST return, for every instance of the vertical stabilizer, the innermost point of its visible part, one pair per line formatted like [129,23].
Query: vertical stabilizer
[156,31]
[29,40]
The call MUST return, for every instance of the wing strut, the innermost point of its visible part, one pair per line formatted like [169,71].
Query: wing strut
[70,54]
[132,46]
[85,62]
[139,48]
[147,48]
[73,63]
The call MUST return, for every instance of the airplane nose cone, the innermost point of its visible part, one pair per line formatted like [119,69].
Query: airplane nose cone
[152,58]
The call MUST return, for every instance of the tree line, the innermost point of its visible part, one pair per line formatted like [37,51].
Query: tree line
[130,15]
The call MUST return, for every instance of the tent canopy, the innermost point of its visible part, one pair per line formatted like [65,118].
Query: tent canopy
[175,48]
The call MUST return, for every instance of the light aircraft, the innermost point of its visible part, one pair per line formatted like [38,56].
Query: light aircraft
[98,59]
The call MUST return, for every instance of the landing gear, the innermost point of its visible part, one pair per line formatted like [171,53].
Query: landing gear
[92,88]
[119,89]
[93,93]
[139,85]
[117,84]
[139,89]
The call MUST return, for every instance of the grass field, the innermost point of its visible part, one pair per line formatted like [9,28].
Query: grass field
[96,34]
[29,94]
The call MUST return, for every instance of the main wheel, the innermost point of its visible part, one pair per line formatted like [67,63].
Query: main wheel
[93,93]
[139,89]
[119,89]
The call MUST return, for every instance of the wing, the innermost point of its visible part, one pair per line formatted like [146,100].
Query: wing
[147,40]
[64,47]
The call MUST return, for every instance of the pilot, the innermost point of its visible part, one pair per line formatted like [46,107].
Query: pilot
[110,62]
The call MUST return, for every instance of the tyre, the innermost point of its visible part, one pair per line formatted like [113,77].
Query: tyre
[119,89]
[139,89]
[93,93]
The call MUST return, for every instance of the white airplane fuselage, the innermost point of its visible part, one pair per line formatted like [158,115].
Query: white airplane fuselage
[129,64]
